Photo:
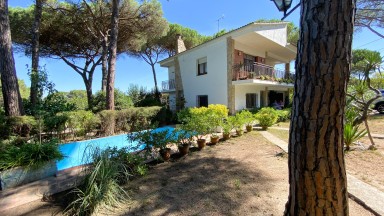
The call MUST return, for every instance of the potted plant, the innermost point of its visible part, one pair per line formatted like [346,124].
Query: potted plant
[158,138]
[215,114]
[183,140]
[198,123]
[248,118]
[238,123]
[267,116]
[227,125]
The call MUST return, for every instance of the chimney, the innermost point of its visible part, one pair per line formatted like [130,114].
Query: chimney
[180,46]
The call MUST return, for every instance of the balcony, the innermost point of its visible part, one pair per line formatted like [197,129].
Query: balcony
[261,72]
[168,85]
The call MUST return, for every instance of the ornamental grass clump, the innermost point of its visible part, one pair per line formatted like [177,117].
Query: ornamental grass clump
[101,186]
[352,134]
[267,116]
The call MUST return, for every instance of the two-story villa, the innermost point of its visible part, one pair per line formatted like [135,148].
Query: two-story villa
[236,69]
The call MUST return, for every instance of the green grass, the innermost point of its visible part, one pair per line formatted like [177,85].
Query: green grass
[282,134]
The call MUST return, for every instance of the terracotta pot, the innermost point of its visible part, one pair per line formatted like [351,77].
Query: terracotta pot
[214,140]
[264,127]
[226,136]
[239,132]
[249,128]
[165,154]
[201,143]
[184,149]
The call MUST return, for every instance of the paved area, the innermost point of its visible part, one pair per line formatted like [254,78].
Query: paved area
[370,197]
[37,190]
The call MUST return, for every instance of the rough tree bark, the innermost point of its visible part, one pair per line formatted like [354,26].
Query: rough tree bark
[34,93]
[12,100]
[317,177]
[112,55]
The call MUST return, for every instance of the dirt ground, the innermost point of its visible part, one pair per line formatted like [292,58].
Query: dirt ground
[243,176]
[366,165]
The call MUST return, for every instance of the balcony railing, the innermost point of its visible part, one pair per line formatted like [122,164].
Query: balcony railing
[168,85]
[261,72]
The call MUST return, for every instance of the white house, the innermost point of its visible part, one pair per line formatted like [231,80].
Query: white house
[235,69]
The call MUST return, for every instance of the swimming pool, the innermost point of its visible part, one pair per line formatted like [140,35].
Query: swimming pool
[76,152]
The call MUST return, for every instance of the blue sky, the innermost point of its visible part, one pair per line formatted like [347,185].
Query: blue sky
[200,15]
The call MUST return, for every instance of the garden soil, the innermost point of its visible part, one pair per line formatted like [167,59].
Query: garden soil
[242,176]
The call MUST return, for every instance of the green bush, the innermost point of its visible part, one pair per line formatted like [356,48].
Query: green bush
[131,119]
[247,117]
[284,115]
[29,154]
[82,122]
[267,116]
[21,125]
[107,122]
[56,123]
[352,134]
[122,101]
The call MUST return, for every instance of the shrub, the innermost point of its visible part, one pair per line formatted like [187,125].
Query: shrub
[107,122]
[56,123]
[247,117]
[133,118]
[352,134]
[183,115]
[30,155]
[100,188]
[228,124]
[283,115]
[267,116]
[238,121]
[21,125]
[198,122]
[81,122]
[122,101]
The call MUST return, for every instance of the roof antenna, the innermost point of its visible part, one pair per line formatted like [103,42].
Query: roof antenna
[218,22]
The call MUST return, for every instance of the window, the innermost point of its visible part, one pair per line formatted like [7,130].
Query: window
[202,101]
[251,101]
[202,66]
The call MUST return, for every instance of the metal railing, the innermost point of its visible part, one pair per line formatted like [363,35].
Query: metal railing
[259,71]
[168,85]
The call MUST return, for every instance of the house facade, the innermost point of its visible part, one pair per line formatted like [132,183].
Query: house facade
[236,69]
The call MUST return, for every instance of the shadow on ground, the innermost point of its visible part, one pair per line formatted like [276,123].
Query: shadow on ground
[201,183]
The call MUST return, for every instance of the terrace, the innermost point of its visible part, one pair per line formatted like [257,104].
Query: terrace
[259,71]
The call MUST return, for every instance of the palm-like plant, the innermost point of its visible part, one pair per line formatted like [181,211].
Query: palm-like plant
[352,134]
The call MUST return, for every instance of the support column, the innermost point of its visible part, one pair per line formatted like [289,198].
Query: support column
[287,70]
[266,100]
[180,101]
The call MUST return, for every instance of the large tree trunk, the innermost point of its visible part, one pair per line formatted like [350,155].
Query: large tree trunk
[104,64]
[157,92]
[10,88]
[112,55]
[34,93]
[317,177]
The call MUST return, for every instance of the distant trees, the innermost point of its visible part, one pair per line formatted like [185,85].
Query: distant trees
[370,15]
[80,33]
[361,91]
[34,96]
[11,95]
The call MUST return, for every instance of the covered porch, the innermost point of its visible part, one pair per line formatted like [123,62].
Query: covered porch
[253,94]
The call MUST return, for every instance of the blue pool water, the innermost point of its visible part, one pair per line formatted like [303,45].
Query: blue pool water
[74,152]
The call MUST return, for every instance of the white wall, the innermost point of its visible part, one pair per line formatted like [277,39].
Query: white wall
[213,84]
[171,72]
